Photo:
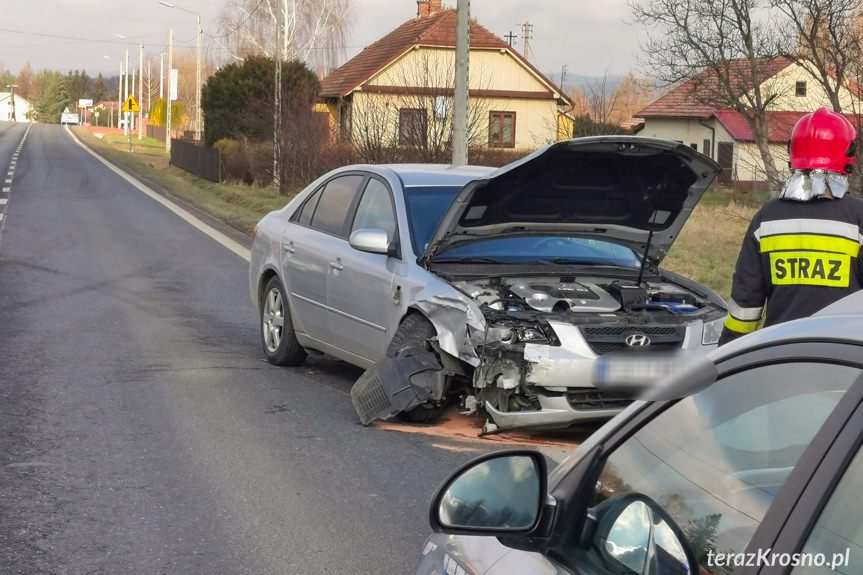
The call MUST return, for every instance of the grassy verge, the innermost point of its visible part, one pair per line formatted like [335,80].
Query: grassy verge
[706,250]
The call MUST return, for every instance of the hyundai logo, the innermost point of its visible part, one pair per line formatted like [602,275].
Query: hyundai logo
[637,340]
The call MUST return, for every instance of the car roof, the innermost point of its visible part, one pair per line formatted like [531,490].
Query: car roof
[417,175]
[842,321]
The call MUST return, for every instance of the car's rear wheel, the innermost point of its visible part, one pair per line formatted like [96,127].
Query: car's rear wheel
[415,331]
[277,329]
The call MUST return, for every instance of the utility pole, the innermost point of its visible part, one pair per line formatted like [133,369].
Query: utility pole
[120,94]
[140,91]
[197,67]
[527,28]
[509,38]
[12,97]
[462,75]
[170,82]
[277,113]
[562,78]
[126,94]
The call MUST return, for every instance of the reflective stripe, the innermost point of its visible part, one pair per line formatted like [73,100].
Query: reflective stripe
[741,326]
[810,268]
[810,242]
[744,313]
[807,226]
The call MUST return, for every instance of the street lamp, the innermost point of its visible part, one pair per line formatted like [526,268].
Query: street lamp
[124,91]
[197,68]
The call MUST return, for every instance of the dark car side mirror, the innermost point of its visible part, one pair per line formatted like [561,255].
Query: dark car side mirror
[502,494]
[631,530]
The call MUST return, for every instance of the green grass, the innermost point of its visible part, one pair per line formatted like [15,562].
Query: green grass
[706,250]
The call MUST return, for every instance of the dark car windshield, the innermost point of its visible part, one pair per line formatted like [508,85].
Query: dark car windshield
[426,206]
[554,249]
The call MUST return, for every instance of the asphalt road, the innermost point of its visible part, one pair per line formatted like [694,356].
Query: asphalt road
[141,431]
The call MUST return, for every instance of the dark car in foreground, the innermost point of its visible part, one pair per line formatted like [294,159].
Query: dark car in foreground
[497,286]
[747,461]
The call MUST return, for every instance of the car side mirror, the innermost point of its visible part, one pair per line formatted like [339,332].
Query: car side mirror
[503,493]
[636,532]
[373,241]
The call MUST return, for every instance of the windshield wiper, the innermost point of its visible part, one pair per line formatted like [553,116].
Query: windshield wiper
[466,260]
[583,262]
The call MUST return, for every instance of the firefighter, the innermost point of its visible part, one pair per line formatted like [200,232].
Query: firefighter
[802,250]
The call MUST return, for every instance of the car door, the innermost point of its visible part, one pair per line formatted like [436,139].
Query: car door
[822,531]
[360,285]
[314,237]
[724,464]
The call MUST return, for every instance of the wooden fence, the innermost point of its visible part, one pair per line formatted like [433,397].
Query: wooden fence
[203,162]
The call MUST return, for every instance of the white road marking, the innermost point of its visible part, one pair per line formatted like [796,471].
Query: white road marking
[6,189]
[3,201]
[213,233]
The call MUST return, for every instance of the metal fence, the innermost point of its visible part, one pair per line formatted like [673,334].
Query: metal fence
[156,132]
[203,162]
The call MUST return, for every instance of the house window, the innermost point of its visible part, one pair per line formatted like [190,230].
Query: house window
[412,127]
[694,146]
[706,150]
[501,129]
[800,89]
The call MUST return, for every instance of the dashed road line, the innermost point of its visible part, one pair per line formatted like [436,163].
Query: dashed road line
[10,175]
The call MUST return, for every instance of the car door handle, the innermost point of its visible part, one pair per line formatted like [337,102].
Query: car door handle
[289,247]
[337,265]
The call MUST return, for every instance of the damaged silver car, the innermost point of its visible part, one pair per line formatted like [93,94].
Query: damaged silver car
[498,288]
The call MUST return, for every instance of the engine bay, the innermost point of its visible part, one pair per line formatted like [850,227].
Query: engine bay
[571,297]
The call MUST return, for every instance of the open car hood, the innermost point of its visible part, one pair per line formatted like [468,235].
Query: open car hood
[613,188]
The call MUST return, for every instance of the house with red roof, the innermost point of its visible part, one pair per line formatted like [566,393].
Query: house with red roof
[398,91]
[719,131]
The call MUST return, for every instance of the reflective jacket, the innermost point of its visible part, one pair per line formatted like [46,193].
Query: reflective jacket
[797,257]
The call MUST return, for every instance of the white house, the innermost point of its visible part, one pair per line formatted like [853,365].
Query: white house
[21,107]
[724,135]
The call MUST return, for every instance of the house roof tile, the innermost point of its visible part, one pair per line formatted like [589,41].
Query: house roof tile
[437,29]
[684,101]
[779,125]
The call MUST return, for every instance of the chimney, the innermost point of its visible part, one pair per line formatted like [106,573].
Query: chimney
[428,7]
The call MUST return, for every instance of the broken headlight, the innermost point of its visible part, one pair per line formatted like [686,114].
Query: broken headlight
[522,334]
[711,331]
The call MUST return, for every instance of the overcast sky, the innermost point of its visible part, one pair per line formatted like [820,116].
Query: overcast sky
[591,38]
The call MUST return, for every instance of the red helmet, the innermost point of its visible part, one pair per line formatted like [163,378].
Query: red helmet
[823,140]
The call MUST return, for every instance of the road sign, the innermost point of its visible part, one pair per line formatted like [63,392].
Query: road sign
[131,105]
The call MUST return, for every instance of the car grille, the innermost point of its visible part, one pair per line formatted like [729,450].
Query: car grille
[609,339]
[588,399]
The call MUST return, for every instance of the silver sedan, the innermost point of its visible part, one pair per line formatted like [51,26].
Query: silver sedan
[499,287]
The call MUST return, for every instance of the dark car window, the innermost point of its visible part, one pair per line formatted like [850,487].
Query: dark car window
[715,461]
[838,535]
[426,206]
[336,200]
[304,214]
[375,210]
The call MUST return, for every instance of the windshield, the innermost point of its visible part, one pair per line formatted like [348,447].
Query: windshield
[555,249]
[426,206]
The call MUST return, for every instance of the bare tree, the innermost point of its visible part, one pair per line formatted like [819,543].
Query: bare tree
[413,121]
[607,101]
[724,47]
[312,31]
[825,37]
